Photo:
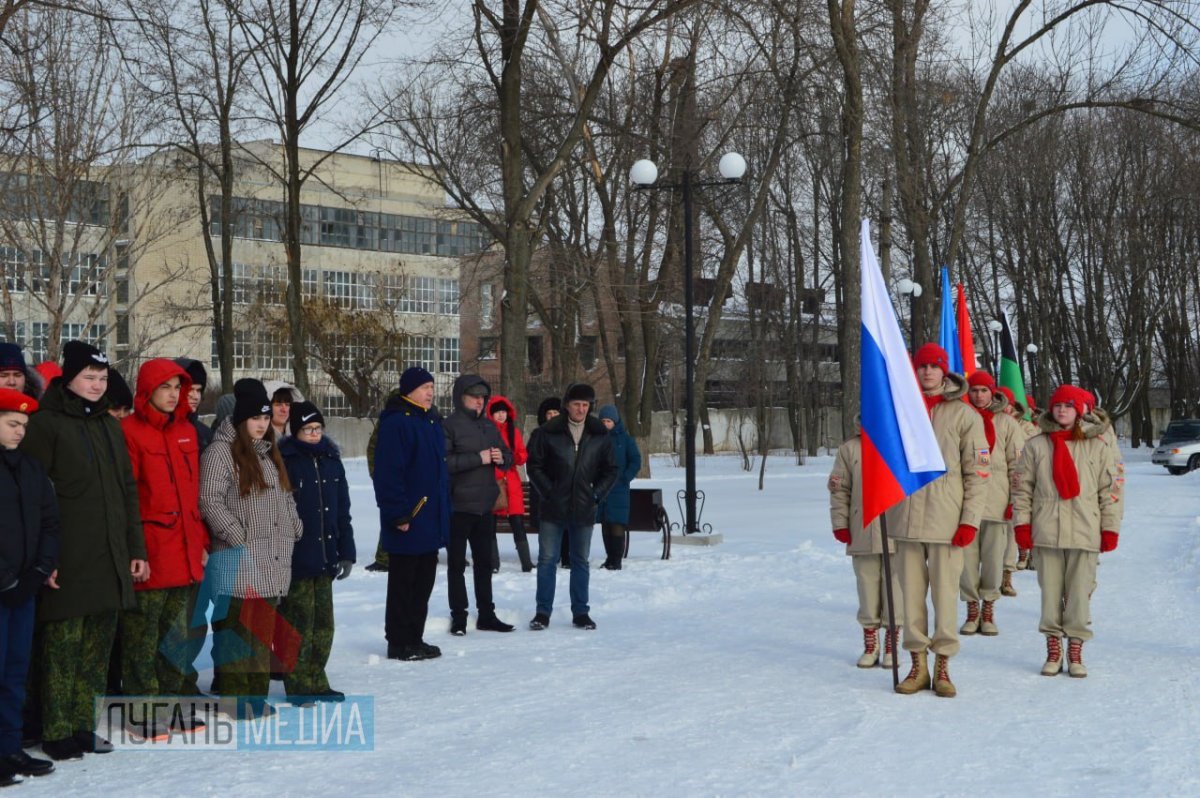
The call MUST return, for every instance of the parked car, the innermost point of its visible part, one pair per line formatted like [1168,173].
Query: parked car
[1179,449]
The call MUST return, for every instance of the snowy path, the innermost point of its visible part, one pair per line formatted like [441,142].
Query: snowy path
[730,671]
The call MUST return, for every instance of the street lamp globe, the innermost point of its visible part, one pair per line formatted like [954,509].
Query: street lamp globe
[995,326]
[643,173]
[731,166]
[905,286]
[1032,349]
[917,289]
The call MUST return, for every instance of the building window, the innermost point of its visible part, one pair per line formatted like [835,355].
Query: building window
[340,288]
[448,355]
[485,306]
[19,329]
[534,353]
[448,297]
[37,345]
[488,348]
[419,350]
[122,329]
[587,351]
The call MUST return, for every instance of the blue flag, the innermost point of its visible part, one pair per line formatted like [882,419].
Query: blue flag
[948,335]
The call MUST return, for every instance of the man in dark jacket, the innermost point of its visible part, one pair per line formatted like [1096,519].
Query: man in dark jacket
[474,450]
[102,554]
[572,468]
[199,376]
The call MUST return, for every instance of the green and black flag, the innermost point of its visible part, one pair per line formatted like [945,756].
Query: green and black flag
[1010,364]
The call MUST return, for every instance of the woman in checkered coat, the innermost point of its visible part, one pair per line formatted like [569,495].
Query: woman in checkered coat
[246,500]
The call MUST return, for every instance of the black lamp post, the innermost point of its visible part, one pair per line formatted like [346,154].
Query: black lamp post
[1032,349]
[644,175]
[912,290]
[996,327]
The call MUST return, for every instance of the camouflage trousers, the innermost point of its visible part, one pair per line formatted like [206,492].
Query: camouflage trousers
[155,648]
[74,661]
[308,607]
[242,636]
[381,556]
[198,601]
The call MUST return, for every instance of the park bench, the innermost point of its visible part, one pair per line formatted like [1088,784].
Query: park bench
[646,514]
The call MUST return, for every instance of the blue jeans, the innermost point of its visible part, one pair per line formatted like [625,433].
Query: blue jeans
[550,537]
[16,645]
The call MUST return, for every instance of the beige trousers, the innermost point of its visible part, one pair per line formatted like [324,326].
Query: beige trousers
[932,569]
[1067,577]
[1010,548]
[872,595]
[983,562]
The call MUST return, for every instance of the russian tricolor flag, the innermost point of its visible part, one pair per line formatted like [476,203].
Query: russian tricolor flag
[900,453]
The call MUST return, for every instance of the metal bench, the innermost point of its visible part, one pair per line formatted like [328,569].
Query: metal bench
[646,514]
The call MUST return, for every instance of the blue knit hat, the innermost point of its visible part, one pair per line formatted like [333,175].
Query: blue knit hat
[413,378]
[11,357]
[611,413]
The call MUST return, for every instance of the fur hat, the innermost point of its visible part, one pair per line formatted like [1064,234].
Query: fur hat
[16,402]
[932,355]
[580,392]
[77,356]
[303,414]
[413,378]
[250,400]
[548,404]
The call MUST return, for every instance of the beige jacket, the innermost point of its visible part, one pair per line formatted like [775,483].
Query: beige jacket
[1068,523]
[1109,436]
[1010,439]
[933,514]
[845,501]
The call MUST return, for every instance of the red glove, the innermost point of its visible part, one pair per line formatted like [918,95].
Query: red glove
[1024,535]
[1108,540]
[963,536]
[1008,513]
[842,536]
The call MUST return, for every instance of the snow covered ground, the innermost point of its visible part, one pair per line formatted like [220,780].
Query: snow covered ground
[730,671]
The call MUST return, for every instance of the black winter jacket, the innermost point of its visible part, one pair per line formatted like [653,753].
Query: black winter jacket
[29,524]
[473,487]
[571,483]
[322,497]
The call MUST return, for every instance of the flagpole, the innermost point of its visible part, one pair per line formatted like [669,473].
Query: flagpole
[891,606]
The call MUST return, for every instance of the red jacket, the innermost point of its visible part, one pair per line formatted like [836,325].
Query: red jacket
[512,479]
[166,465]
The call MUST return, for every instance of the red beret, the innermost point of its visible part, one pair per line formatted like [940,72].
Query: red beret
[1070,395]
[16,402]
[932,355]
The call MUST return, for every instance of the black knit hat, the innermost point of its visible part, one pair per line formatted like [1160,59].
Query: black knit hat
[580,392]
[195,369]
[303,414]
[11,357]
[413,378]
[118,392]
[548,404]
[249,400]
[77,356]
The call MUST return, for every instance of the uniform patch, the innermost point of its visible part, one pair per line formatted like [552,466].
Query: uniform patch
[984,474]
[835,482]
[983,457]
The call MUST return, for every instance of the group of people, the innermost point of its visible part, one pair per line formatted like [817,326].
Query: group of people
[132,518]
[446,482]
[1044,493]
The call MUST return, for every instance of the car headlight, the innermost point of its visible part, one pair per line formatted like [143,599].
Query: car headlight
[1174,451]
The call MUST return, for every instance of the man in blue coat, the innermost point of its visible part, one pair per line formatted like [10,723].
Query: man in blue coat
[412,489]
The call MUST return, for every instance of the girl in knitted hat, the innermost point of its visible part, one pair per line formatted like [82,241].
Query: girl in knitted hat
[1065,505]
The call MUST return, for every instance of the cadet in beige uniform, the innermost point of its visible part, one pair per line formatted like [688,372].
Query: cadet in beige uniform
[931,526]
[983,558]
[1015,559]
[1066,506]
[865,547]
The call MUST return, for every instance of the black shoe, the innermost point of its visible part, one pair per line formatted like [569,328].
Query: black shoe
[335,696]
[8,776]
[429,652]
[254,708]
[458,627]
[526,567]
[61,750]
[26,765]
[490,623]
[609,565]
[583,622]
[377,568]
[187,723]
[539,622]
[564,565]
[90,743]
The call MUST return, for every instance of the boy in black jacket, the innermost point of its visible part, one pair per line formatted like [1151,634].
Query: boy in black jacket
[28,559]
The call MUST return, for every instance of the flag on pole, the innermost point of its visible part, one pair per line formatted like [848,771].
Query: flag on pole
[900,453]
[966,341]
[1010,363]
[948,334]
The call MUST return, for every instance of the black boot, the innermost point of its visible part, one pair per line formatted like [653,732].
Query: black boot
[490,623]
[523,552]
[495,555]
[458,626]
[614,546]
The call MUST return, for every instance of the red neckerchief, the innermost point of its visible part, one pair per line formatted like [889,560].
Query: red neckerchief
[1066,477]
[989,426]
[932,402]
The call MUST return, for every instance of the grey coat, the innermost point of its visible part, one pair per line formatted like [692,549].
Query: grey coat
[252,536]
[473,487]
